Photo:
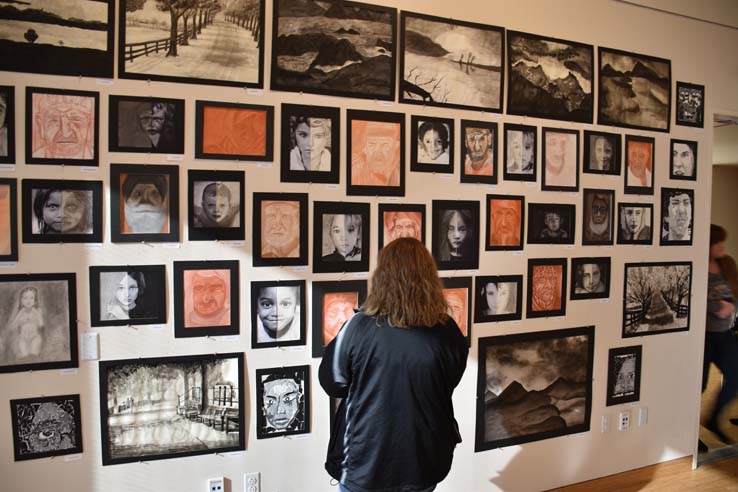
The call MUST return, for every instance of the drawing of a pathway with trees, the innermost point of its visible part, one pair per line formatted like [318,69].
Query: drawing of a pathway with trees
[657,298]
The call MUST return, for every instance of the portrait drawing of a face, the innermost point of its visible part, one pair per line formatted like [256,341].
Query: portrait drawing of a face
[337,308]
[207,298]
[280,235]
[547,287]
[375,159]
[145,207]
[505,220]
[63,126]
[458,305]
[277,310]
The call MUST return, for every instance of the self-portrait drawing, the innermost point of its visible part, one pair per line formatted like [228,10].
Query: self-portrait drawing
[683,162]
[551,223]
[520,152]
[234,131]
[8,219]
[127,295]
[280,229]
[455,243]
[498,298]
[639,164]
[624,375]
[546,287]
[401,220]
[146,125]
[590,278]
[216,204]
[598,217]
[341,237]
[480,152]
[560,159]
[311,144]
[602,153]
[458,294]
[505,222]
[677,216]
[7,124]
[432,144]
[46,427]
[635,224]
[283,401]
[278,313]
[334,302]
[690,104]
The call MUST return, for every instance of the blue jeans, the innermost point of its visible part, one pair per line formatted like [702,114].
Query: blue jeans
[342,488]
[722,349]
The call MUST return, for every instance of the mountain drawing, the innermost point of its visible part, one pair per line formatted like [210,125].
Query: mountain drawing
[421,44]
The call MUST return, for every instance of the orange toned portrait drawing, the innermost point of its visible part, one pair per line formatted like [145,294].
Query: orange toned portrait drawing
[504,220]
[375,153]
[207,298]
[4,220]
[144,203]
[337,308]
[546,295]
[402,224]
[63,126]
[234,131]
[639,163]
[458,303]
[280,229]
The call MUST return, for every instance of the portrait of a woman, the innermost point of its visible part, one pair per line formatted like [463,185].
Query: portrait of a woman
[456,235]
[127,297]
[62,211]
[311,144]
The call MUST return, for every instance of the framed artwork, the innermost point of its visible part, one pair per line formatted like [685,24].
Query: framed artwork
[455,243]
[343,49]
[340,237]
[546,287]
[47,426]
[624,375]
[683,162]
[635,223]
[590,278]
[520,153]
[560,160]
[401,220]
[505,222]
[551,223]
[280,232]
[206,298]
[598,217]
[62,127]
[375,154]
[534,386]
[278,313]
[128,295]
[61,211]
[656,298]
[8,219]
[200,44]
[498,298]
[549,78]
[432,144]
[639,164]
[602,153]
[232,131]
[144,203]
[458,294]
[204,395]
[58,38]
[38,322]
[451,63]
[146,125]
[7,123]
[333,303]
[310,144]
[634,90]
[480,152]
[282,401]
[677,216]
[690,105]
[216,205]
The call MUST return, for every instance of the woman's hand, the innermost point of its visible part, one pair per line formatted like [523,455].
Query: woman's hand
[726,310]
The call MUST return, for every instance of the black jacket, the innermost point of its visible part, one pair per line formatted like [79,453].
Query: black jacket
[395,429]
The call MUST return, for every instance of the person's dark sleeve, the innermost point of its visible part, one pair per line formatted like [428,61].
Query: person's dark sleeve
[334,373]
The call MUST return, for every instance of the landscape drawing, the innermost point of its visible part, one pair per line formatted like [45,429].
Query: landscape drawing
[46,426]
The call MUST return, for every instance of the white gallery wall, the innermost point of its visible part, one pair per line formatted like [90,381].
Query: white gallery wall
[700,53]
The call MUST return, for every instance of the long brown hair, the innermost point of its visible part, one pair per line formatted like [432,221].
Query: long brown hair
[405,288]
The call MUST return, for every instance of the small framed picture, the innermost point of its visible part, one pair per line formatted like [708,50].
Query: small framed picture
[333,303]
[144,203]
[521,144]
[455,244]
[677,216]
[690,104]
[546,287]
[278,313]
[47,426]
[341,237]
[283,401]
[432,147]
[61,211]
[8,219]
[146,125]
[206,298]
[7,124]
[505,222]
[458,294]
[401,220]
[498,298]
[216,205]
[590,278]
[551,223]
[598,216]
[639,165]
[602,153]
[62,127]
[375,154]
[229,131]
[128,295]
[683,162]
[311,144]
[280,232]
[624,375]
[480,152]
[560,160]
[635,224]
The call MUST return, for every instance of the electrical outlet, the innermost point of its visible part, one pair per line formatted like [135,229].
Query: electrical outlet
[643,416]
[605,424]
[216,484]
[251,482]
[624,420]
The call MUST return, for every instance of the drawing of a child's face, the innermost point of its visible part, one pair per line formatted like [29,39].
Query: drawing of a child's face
[28,298]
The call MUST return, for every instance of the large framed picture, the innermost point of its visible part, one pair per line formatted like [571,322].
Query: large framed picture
[624,375]
[280,232]
[238,132]
[640,161]
[590,278]
[38,322]
[8,219]
[458,294]
[505,222]
[216,201]
[310,144]
[521,149]
[551,223]
[560,160]
[480,152]
[171,407]
[451,63]
[342,48]
[635,224]
[598,217]
[46,426]
[683,162]
[546,287]
[432,144]
[602,153]
[534,386]
[498,298]
[455,243]
[398,220]
[278,313]
[128,295]
[146,125]
[690,105]
[334,302]
[282,401]
[677,216]
[7,124]
[340,237]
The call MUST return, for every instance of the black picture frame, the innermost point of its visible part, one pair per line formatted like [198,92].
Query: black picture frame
[61,417]
[507,204]
[644,232]
[419,36]
[87,193]
[548,179]
[619,391]
[151,296]
[127,136]
[590,158]
[340,294]
[512,308]
[244,127]
[57,323]
[539,231]
[489,165]
[422,162]
[680,202]
[165,180]
[8,219]
[605,199]
[7,94]
[642,281]
[274,301]
[568,358]
[520,139]
[291,116]
[690,105]
[280,220]
[300,375]
[72,110]
[451,287]
[445,211]
[679,158]
[207,226]
[335,262]
[632,187]
[409,212]
[206,324]
[220,406]
[556,306]
[582,288]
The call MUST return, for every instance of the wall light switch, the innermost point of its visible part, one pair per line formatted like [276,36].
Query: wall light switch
[605,424]
[90,346]
[216,484]
[643,416]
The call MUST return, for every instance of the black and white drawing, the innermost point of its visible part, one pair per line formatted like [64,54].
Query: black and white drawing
[624,375]
[282,401]
[432,144]
[590,278]
[127,295]
[216,205]
[311,144]
[521,149]
[551,223]
[341,237]
[455,243]
[690,104]
[278,313]
[146,125]
[635,223]
[46,426]
[683,162]
[677,216]
[7,123]
[498,298]
[8,219]
[602,153]
[598,217]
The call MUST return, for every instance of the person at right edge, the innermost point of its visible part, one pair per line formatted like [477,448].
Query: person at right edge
[395,363]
